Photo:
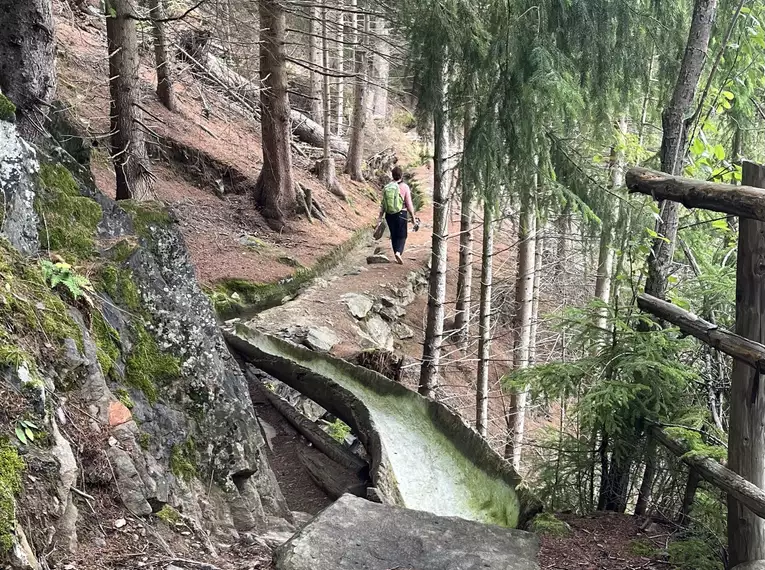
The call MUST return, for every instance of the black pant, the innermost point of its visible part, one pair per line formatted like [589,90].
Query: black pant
[397,224]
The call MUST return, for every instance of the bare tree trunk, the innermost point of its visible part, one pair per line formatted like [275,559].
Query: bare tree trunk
[564,231]
[746,439]
[356,144]
[484,322]
[316,61]
[524,302]
[28,61]
[675,124]
[465,269]
[326,167]
[161,59]
[381,67]
[274,191]
[434,327]
[340,67]
[128,148]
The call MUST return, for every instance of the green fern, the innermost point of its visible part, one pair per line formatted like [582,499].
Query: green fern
[60,273]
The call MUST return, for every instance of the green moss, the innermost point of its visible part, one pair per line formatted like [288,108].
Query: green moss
[11,467]
[694,554]
[107,343]
[147,364]
[7,109]
[122,251]
[169,515]
[69,220]
[144,439]
[338,430]
[124,397]
[183,460]
[118,283]
[548,524]
[11,355]
[145,215]
[237,297]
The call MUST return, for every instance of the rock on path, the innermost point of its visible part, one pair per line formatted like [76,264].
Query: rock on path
[361,535]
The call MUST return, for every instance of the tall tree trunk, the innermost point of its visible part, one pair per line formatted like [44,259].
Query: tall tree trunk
[746,439]
[524,303]
[465,269]
[617,482]
[274,191]
[340,68]
[161,59]
[28,61]
[356,144]
[484,321]
[675,125]
[380,69]
[538,250]
[646,486]
[316,61]
[563,224]
[128,149]
[434,327]
[603,456]
[606,250]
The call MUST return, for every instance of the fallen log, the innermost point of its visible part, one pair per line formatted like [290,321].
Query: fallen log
[330,476]
[743,201]
[740,348]
[247,93]
[313,433]
[746,493]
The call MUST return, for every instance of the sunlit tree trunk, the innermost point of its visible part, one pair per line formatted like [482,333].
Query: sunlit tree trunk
[538,250]
[434,327]
[353,165]
[340,68]
[484,321]
[380,69]
[315,30]
[465,268]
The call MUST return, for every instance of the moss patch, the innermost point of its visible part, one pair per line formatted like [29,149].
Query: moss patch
[145,215]
[144,439]
[107,344]
[118,283]
[183,460]
[124,397]
[238,297]
[548,524]
[11,466]
[69,220]
[169,515]
[147,364]
[7,109]
[338,430]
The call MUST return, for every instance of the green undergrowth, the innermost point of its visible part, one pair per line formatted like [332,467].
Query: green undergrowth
[694,554]
[339,430]
[547,524]
[119,284]
[169,515]
[183,462]
[643,547]
[11,467]
[107,341]
[69,221]
[7,109]
[239,297]
[147,366]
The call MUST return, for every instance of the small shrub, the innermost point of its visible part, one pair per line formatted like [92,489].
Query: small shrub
[60,273]
[338,430]
[642,547]
[11,466]
[694,554]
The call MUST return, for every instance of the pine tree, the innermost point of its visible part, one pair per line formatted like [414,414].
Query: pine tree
[161,58]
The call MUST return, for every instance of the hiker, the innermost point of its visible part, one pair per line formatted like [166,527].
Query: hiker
[396,202]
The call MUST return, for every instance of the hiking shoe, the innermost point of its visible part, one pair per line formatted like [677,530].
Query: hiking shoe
[400,261]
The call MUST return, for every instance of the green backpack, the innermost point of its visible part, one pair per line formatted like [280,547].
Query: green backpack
[392,202]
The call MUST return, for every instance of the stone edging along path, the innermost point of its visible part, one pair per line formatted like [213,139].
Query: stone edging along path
[424,456]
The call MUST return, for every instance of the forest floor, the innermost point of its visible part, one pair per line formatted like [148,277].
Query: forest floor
[228,238]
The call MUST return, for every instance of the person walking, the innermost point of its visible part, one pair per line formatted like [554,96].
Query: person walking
[397,208]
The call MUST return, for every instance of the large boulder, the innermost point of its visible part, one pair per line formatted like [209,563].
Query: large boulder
[357,534]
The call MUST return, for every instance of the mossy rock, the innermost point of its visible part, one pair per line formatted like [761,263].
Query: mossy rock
[69,220]
[7,109]
[183,460]
[547,524]
[147,365]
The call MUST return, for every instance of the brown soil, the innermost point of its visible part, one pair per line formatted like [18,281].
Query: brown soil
[603,541]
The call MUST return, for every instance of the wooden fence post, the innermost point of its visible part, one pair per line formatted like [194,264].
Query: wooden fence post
[746,440]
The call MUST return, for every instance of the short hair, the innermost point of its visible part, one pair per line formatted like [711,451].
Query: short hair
[396,173]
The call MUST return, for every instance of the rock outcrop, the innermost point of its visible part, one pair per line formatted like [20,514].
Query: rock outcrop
[354,533]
